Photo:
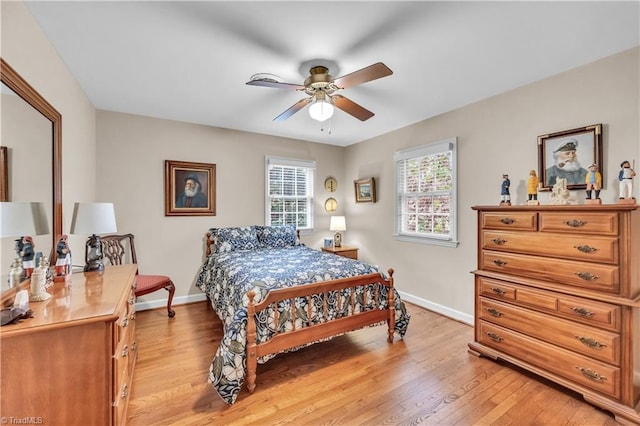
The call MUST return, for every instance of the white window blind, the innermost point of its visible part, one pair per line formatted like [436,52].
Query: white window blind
[426,193]
[289,192]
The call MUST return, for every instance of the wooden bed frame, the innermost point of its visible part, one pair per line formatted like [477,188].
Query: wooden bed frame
[283,340]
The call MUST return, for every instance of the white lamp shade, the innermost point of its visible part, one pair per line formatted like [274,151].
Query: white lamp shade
[321,110]
[20,219]
[93,218]
[338,223]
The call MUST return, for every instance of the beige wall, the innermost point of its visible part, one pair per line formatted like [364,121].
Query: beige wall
[25,47]
[132,150]
[495,136]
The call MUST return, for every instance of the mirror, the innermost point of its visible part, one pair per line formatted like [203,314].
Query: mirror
[31,131]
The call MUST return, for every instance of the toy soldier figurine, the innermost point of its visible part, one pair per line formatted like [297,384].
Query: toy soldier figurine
[625,177]
[28,254]
[505,195]
[594,182]
[63,261]
[532,188]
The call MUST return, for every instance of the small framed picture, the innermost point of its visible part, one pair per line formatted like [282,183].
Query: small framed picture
[365,190]
[328,243]
[568,155]
[190,189]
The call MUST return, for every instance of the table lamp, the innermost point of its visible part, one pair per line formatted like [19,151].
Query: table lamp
[338,223]
[92,219]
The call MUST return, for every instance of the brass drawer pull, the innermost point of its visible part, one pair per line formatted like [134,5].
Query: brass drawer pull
[125,322]
[587,276]
[586,249]
[494,337]
[507,220]
[499,262]
[591,342]
[582,312]
[134,347]
[590,374]
[125,351]
[499,241]
[125,392]
[494,312]
[498,291]
[574,223]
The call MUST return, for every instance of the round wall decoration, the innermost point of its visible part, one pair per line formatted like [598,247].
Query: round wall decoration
[331,205]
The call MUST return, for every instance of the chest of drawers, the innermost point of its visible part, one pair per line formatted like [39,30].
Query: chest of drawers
[73,362]
[557,292]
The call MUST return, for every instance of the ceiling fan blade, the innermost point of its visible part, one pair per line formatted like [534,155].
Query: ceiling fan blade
[292,110]
[276,84]
[372,72]
[350,107]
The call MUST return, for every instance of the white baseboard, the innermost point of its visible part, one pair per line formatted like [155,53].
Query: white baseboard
[440,309]
[435,307]
[162,303]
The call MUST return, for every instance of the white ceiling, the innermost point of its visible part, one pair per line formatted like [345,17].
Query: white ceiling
[189,61]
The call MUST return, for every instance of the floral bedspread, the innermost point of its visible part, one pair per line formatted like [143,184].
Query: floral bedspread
[226,278]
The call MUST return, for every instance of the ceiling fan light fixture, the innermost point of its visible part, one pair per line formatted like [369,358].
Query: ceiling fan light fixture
[321,110]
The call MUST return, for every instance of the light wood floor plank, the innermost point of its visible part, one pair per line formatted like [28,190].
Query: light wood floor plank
[428,378]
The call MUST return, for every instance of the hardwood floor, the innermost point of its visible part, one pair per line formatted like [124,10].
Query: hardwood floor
[427,378]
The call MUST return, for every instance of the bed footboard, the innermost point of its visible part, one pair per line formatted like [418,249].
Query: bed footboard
[327,327]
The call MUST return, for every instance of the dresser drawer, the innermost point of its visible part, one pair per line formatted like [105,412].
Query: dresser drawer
[579,222]
[589,341]
[522,221]
[495,288]
[581,369]
[591,312]
[580,274]
[576,247]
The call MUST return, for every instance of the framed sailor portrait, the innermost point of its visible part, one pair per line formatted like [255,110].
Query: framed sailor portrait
[568,154]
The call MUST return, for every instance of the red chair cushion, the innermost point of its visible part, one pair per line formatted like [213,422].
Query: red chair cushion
[148,282]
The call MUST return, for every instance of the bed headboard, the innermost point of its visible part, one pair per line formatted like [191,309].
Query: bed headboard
[209,239]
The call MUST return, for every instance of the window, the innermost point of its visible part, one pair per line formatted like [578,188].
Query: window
[426,193]
[289,192]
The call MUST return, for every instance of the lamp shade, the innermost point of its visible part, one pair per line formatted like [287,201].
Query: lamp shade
[93,218]
[321,110]
[338,223]
[20,219]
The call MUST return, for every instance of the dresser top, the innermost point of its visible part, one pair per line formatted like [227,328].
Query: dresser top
[86,297]
[568,208]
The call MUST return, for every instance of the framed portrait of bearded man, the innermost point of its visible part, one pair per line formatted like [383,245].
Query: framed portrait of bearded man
[569,154]
[189,189]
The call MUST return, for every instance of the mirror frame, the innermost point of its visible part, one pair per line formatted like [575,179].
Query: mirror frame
[15,82]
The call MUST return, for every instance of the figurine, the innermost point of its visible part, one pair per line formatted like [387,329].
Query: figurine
[505,195]
[593,181]
[625,177]
[28,255]
[63,261]
[37,292]
[532,187]
[560,194]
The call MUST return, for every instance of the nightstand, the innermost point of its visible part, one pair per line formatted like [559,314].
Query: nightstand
[350,252]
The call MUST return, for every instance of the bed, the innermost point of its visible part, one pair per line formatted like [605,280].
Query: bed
[273,294]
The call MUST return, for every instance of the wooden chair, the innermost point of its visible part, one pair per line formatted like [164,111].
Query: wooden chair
[119,249]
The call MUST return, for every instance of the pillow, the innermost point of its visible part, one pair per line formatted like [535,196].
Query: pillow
[232,239]
[277,236]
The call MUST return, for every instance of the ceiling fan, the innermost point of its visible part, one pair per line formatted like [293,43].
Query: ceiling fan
[322,87]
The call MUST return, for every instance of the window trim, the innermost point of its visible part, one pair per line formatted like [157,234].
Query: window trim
[292,162]
[449,144]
